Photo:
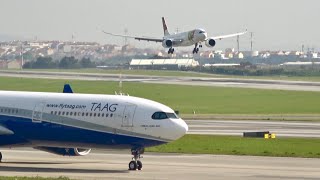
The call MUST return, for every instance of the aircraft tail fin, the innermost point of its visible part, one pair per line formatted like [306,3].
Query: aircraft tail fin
[165,28]
[67,89]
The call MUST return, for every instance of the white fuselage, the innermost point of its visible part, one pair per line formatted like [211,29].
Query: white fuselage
[123,116]
[187,38]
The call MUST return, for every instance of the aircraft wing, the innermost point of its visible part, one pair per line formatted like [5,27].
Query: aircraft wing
[136,37]
[5,131]
[229,35]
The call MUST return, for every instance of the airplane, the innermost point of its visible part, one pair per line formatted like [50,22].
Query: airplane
[194,37]
[71,124]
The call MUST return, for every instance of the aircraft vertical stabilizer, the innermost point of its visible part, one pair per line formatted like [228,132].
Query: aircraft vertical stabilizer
[67,89]
[165,28]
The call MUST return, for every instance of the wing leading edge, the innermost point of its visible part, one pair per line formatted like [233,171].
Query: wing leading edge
[229,35]
[136,37]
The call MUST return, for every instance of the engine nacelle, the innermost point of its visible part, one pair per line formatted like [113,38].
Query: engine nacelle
[210,42]
[167,43]
[65,151]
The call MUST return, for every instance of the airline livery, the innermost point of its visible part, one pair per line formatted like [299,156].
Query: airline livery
[194,37]
[71,124]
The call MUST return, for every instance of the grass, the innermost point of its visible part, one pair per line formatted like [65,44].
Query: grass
[229,145]
[31,178]
[187,99]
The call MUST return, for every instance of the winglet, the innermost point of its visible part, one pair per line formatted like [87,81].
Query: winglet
[165,28]
[67,89]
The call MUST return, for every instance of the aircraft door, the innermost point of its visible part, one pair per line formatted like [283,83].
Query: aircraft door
[128,115]
[37,112]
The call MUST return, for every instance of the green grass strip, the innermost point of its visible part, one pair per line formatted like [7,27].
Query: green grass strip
[187,99]
[230,145]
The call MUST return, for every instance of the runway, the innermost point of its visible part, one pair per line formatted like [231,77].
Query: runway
[237,127]
[194,81]
[113,165]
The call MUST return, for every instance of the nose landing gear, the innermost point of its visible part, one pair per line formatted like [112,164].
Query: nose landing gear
[196,49]
[136,163]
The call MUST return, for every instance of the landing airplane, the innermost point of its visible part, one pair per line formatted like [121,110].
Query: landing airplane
[71,124]
[194,37]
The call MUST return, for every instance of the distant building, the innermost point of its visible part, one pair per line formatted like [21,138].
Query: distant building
[220,65]
[163,63]
[298,63]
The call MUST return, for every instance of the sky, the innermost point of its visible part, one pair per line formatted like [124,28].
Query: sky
[276,24]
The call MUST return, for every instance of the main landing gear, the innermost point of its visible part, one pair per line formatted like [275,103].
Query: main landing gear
[196,49]
[171,50]
[136,163]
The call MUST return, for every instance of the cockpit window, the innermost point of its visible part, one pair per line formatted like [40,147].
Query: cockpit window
[201,32]
[159,115]
[172,116]
[163,115]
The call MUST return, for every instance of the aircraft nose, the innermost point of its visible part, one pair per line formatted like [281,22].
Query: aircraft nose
[181,129]
[184,126]
[205,35]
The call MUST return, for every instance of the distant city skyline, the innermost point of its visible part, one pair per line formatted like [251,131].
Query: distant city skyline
[277,25]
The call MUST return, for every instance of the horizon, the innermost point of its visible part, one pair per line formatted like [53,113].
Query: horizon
[288,27]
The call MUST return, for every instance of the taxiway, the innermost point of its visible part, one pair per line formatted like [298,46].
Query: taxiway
[113,165]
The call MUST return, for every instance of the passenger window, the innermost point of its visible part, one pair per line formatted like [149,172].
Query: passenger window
[63,113]
[90,114]
[98,114]
[111,115]
[59,112]
[71,113]
[107,115]
[102,115]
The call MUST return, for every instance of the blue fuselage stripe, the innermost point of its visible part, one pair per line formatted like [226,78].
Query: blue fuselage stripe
[56,135]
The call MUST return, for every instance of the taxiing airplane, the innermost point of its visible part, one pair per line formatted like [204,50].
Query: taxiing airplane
[194,37]
[71,124]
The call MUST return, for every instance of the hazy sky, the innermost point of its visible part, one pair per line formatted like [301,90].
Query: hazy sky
[277,24]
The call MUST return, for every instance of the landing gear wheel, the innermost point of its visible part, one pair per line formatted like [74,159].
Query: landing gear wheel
[139,163]
[136,163]
[170,51]
[133,165]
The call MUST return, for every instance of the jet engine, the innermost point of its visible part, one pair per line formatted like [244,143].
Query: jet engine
[167,43]
[65,151]
[210,42]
